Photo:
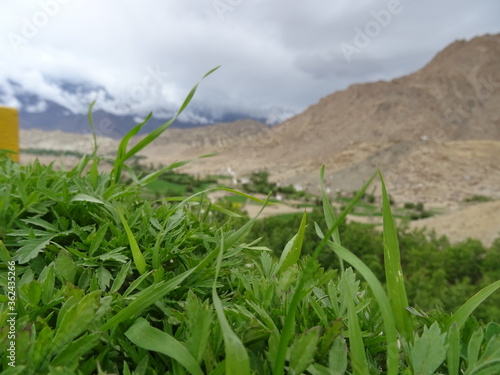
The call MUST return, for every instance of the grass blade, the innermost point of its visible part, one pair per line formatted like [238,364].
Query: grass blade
[122,149]
[453,355]
[91,123]
[158,131]
[393,272]
[124,155]
[287,331]
[464,311]
[327,208]
[97,240]
[120,278]
[86,198]
[149,296]
[329,214]
[139,261]
[290,256]
[383,302]
[143,335]
[237,361]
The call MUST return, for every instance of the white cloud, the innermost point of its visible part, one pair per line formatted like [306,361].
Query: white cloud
[278,54]
[38,107]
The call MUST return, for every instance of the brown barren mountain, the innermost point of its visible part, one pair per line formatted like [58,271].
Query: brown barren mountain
[434,133]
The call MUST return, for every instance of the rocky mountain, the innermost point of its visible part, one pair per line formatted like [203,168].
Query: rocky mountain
[433,132]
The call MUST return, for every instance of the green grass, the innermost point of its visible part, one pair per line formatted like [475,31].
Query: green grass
[166,188]
[478,198]
[110,282]
[41,152]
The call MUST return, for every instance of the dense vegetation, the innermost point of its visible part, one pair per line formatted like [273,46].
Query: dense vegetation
[108,281]
[259,183]
[437,272]
[42,152]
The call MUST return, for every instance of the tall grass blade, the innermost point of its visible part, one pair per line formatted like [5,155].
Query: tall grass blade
[237,362]
[393,272]
[329,214]
[453,355]
[124,155]
[464,311]
[143,335]
[91,123]
[327,208]
[288,326]
[158,131]
[383,303]
[122,149]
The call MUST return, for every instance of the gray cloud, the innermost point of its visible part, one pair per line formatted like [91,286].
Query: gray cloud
[274,54]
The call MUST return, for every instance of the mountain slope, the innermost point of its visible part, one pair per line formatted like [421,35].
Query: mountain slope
[395,125]
[455,97]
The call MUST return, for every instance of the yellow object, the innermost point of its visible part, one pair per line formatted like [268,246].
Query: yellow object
[9,131]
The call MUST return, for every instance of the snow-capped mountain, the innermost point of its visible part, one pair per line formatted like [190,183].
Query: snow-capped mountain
[65,106]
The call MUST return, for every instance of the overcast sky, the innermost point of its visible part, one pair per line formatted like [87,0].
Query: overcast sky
[277,57]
